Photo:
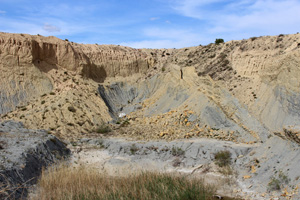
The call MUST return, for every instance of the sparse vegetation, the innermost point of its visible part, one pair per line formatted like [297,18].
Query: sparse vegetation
[276,183]
[52,93]
[176,151]
[176,162]
[219,41]
[163,69]
[42,102]
[253,38]
[226,170]
[103,128]
[71,109]
[125,123]
[223,158]
[133,149]
[86,183]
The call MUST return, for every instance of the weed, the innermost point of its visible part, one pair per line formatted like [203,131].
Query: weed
[42,102]
[226,170]
[83,183]
[163,69]
[103,128]
[176,162]
[276,183]
[125,123]
[133,149]
[176,151]
[223,158]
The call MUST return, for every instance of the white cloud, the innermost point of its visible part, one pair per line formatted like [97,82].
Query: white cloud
[167,38]
[251,17]
[50,28]
[154,18]
[2,12]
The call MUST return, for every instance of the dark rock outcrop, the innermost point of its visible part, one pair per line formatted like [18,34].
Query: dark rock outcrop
[23,155]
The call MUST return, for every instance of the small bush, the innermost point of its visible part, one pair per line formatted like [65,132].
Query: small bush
[279,182]
[71,109]
[223,158]
[219,41]
[176,162]
[43,102]
[133,149]
[176,151]
[163,69]
[125,123]
[274,184]
[103,129]
[52,93]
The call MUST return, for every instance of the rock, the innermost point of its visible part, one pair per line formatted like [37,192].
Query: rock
[23,155]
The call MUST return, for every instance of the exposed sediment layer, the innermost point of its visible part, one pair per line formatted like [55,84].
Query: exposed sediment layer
[257,78]
[24,153]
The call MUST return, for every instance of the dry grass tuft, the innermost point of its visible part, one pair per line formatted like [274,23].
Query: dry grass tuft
[66,182]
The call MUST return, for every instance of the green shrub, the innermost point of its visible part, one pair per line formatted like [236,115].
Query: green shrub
[71,109]
[276,183]
[176,151]
[103,128]
[163,69]
[133,149]
[125,123]
[219,41]
[223,158]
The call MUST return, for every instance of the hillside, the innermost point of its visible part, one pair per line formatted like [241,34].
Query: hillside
[246,92]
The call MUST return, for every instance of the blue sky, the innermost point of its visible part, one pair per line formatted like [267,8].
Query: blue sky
[150,23]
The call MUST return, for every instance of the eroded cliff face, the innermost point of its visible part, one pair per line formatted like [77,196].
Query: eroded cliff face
[250,87]
[23,58]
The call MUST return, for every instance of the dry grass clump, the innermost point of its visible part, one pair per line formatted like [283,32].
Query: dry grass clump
[66,182]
